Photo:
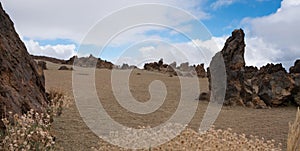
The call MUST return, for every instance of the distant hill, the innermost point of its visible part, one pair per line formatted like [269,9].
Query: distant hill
[90,61]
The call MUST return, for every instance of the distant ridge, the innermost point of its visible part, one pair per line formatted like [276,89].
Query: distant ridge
[89,61]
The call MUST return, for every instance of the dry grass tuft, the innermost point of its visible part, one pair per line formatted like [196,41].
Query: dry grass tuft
[211,140]
[293,141]
[31,131]
[58,101]
[28,132]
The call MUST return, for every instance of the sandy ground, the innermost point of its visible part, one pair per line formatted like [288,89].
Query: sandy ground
[72,133]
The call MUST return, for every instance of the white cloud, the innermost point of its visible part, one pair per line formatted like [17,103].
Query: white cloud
[68,19]
[194,52]
[285,4]
[279,32]
[56,51]
[221,3]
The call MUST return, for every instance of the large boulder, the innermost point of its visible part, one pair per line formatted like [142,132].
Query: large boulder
[200,71]
[274,85]
[64,68]
[22,85]
[233,54]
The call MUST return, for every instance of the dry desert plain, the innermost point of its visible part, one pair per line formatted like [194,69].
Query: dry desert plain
[72,133]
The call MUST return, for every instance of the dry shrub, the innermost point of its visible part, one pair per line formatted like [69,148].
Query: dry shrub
[31,131]
[293,141]
[211,140]
[28,132]
[58,100]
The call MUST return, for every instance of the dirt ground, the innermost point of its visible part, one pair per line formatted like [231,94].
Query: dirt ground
[72,133]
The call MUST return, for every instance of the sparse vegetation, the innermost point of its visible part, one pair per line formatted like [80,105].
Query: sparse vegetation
[213,139]
[58,100]
[293,141]
[31,131]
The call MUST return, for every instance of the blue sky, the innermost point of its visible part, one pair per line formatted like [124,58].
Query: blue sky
[227,17]
[270,26]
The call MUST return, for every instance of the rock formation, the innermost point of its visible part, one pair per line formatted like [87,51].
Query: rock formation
[200,71]
[64,68]
[250,72]
[233,55]
[42,65]
[154,66]
[296,89]
[296,67]
[184,67]
[90,61]
[22,85]
[270,86]
[295,74]
[125,66]
[274,85]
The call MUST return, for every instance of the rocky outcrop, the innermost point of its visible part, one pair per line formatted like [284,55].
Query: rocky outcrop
[90,61]
[296,67]
[171,69]
[154,66]
[125,66]
[274,85]
[200,71]
[204,96]
[250,72]
[22,85]
[295,74]
[64,68]
[269,86]
[296,89]
[42,65]
[233,54]
[70,61]
[184,67]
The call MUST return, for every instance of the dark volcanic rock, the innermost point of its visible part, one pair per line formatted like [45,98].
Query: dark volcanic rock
[200,71]
[274,85]
[233,54]
[204,96]
[64,68]
[250,72]
[271,85]
[154,66]
[22,85]
[89,62]
[296,67]
[296,89]
[42,65]
[125,66]
[70,61]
